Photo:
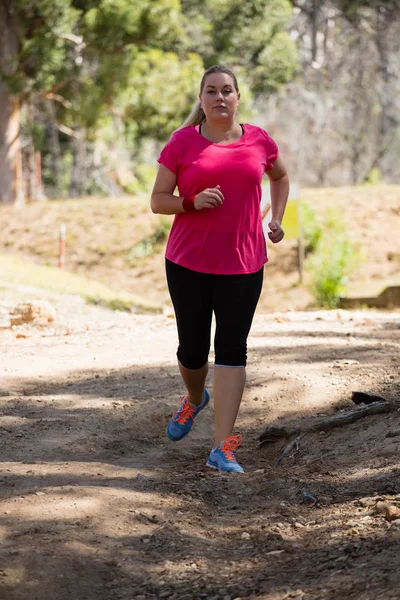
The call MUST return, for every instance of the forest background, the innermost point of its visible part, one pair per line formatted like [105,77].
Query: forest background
[91,90]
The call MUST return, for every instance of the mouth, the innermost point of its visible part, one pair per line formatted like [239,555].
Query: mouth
[219,107]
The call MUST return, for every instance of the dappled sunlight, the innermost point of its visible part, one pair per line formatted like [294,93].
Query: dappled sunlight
[72,507]
[89,478]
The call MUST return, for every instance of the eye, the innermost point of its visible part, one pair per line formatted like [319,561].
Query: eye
[210,92]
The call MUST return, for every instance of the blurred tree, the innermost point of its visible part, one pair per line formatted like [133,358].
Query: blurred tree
[34,61]
[73,58]
[84,68]
[346,96]
[250,36]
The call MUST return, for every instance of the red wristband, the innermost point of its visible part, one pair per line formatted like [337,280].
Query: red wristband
[188,203]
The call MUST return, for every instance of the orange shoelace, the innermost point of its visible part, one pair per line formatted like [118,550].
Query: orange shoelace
[184,413]
[230,445]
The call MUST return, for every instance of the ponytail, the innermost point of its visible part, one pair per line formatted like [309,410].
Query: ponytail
[196,116]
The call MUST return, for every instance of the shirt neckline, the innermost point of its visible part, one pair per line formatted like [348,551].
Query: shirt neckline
[209,142]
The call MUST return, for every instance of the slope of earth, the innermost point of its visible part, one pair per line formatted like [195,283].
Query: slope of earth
[97,504]
[120,242]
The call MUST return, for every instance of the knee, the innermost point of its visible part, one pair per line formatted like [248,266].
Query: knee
[231,355]
[192,358]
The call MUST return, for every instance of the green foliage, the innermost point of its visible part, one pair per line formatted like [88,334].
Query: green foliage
[115,24]
[154,108]
[130,70]
[146,175]
[311,229]
[332,263]
[374,177]
[43,59]
[148,246]
[249,35]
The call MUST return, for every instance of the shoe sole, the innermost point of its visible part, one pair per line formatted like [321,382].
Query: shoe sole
[208,464]
[173,439]
[213,466]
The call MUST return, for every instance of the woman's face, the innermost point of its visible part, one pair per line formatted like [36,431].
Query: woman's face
[219,98]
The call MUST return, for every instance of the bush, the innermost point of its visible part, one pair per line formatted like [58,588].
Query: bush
[334,260]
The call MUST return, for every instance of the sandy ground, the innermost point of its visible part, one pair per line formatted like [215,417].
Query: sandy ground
[96,503]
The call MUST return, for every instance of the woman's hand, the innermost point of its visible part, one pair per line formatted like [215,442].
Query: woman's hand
[209,198]
[276,234]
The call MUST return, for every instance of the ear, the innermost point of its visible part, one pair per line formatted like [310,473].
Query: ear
[239,96]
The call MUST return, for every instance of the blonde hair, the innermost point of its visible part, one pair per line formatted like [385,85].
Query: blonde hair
[197,115]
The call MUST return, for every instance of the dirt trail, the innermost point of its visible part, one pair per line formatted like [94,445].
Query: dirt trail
[96,503]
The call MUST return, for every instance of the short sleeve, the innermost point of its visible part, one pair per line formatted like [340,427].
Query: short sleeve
[168,156]
[272,151]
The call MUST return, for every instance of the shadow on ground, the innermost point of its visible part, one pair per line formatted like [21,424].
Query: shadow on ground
[98,504]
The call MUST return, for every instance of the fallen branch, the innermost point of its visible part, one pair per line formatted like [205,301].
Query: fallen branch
[293,444]
[276,433]
[353,415]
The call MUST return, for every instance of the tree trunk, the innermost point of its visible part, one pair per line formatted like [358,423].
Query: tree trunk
[385,17]
[55,149]
[314,29]
[11,185]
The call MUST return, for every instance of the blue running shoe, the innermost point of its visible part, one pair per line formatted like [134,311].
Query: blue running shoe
[182,420]
[222,457]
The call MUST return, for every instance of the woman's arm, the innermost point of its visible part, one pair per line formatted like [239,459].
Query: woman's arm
[164,202]
[279,185]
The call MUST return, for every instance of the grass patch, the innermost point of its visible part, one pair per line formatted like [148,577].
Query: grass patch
[16,270]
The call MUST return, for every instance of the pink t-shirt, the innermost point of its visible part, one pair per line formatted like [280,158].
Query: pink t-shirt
[229,239]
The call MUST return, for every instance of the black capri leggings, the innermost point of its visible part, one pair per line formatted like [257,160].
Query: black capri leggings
[195,296]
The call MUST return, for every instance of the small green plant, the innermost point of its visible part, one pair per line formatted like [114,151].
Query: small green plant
[374,177]
[147,246]
[333,261]
[310,227]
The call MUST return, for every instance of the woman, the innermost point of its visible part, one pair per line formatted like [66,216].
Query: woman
[216,250]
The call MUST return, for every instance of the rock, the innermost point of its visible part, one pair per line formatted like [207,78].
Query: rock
[40,312]
[365,502]
[393,433]
[245,535]
[389,511]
